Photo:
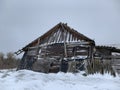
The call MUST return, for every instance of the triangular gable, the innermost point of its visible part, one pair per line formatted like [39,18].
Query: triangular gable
[61,32]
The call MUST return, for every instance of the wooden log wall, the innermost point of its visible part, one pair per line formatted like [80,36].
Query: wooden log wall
[57,49]
[116,64]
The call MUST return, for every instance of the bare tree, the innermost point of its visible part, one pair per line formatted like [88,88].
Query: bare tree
[10,56]
[1,56]
[9,62]
[1,59]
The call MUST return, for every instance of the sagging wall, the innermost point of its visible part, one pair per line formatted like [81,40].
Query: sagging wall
[59,42]
[55,51]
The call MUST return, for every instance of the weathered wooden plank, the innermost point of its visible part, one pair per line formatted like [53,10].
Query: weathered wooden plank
[65,36]
[53,37]
[61,37]
[117,67]
[118,71]
[69,37]
[67,40]
[116,62]
[57,36]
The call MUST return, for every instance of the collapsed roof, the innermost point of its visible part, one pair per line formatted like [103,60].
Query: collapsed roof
[59,33]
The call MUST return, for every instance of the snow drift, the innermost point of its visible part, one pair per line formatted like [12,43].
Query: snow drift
[29,80]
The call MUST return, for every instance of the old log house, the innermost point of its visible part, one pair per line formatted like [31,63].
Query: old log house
[55,48]
[64,49]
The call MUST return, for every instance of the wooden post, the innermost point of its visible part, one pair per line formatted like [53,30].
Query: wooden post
[91,58]
[38,48]
[65,47]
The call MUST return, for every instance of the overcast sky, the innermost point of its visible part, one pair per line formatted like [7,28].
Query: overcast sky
[22,21]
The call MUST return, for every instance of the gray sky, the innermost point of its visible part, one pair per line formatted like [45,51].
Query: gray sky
[22,21]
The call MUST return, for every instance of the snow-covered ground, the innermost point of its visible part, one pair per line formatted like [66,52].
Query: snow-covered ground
[29,80]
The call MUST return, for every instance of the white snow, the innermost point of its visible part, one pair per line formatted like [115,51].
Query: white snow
[29,80]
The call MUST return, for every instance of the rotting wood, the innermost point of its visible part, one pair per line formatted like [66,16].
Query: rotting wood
[59,42]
